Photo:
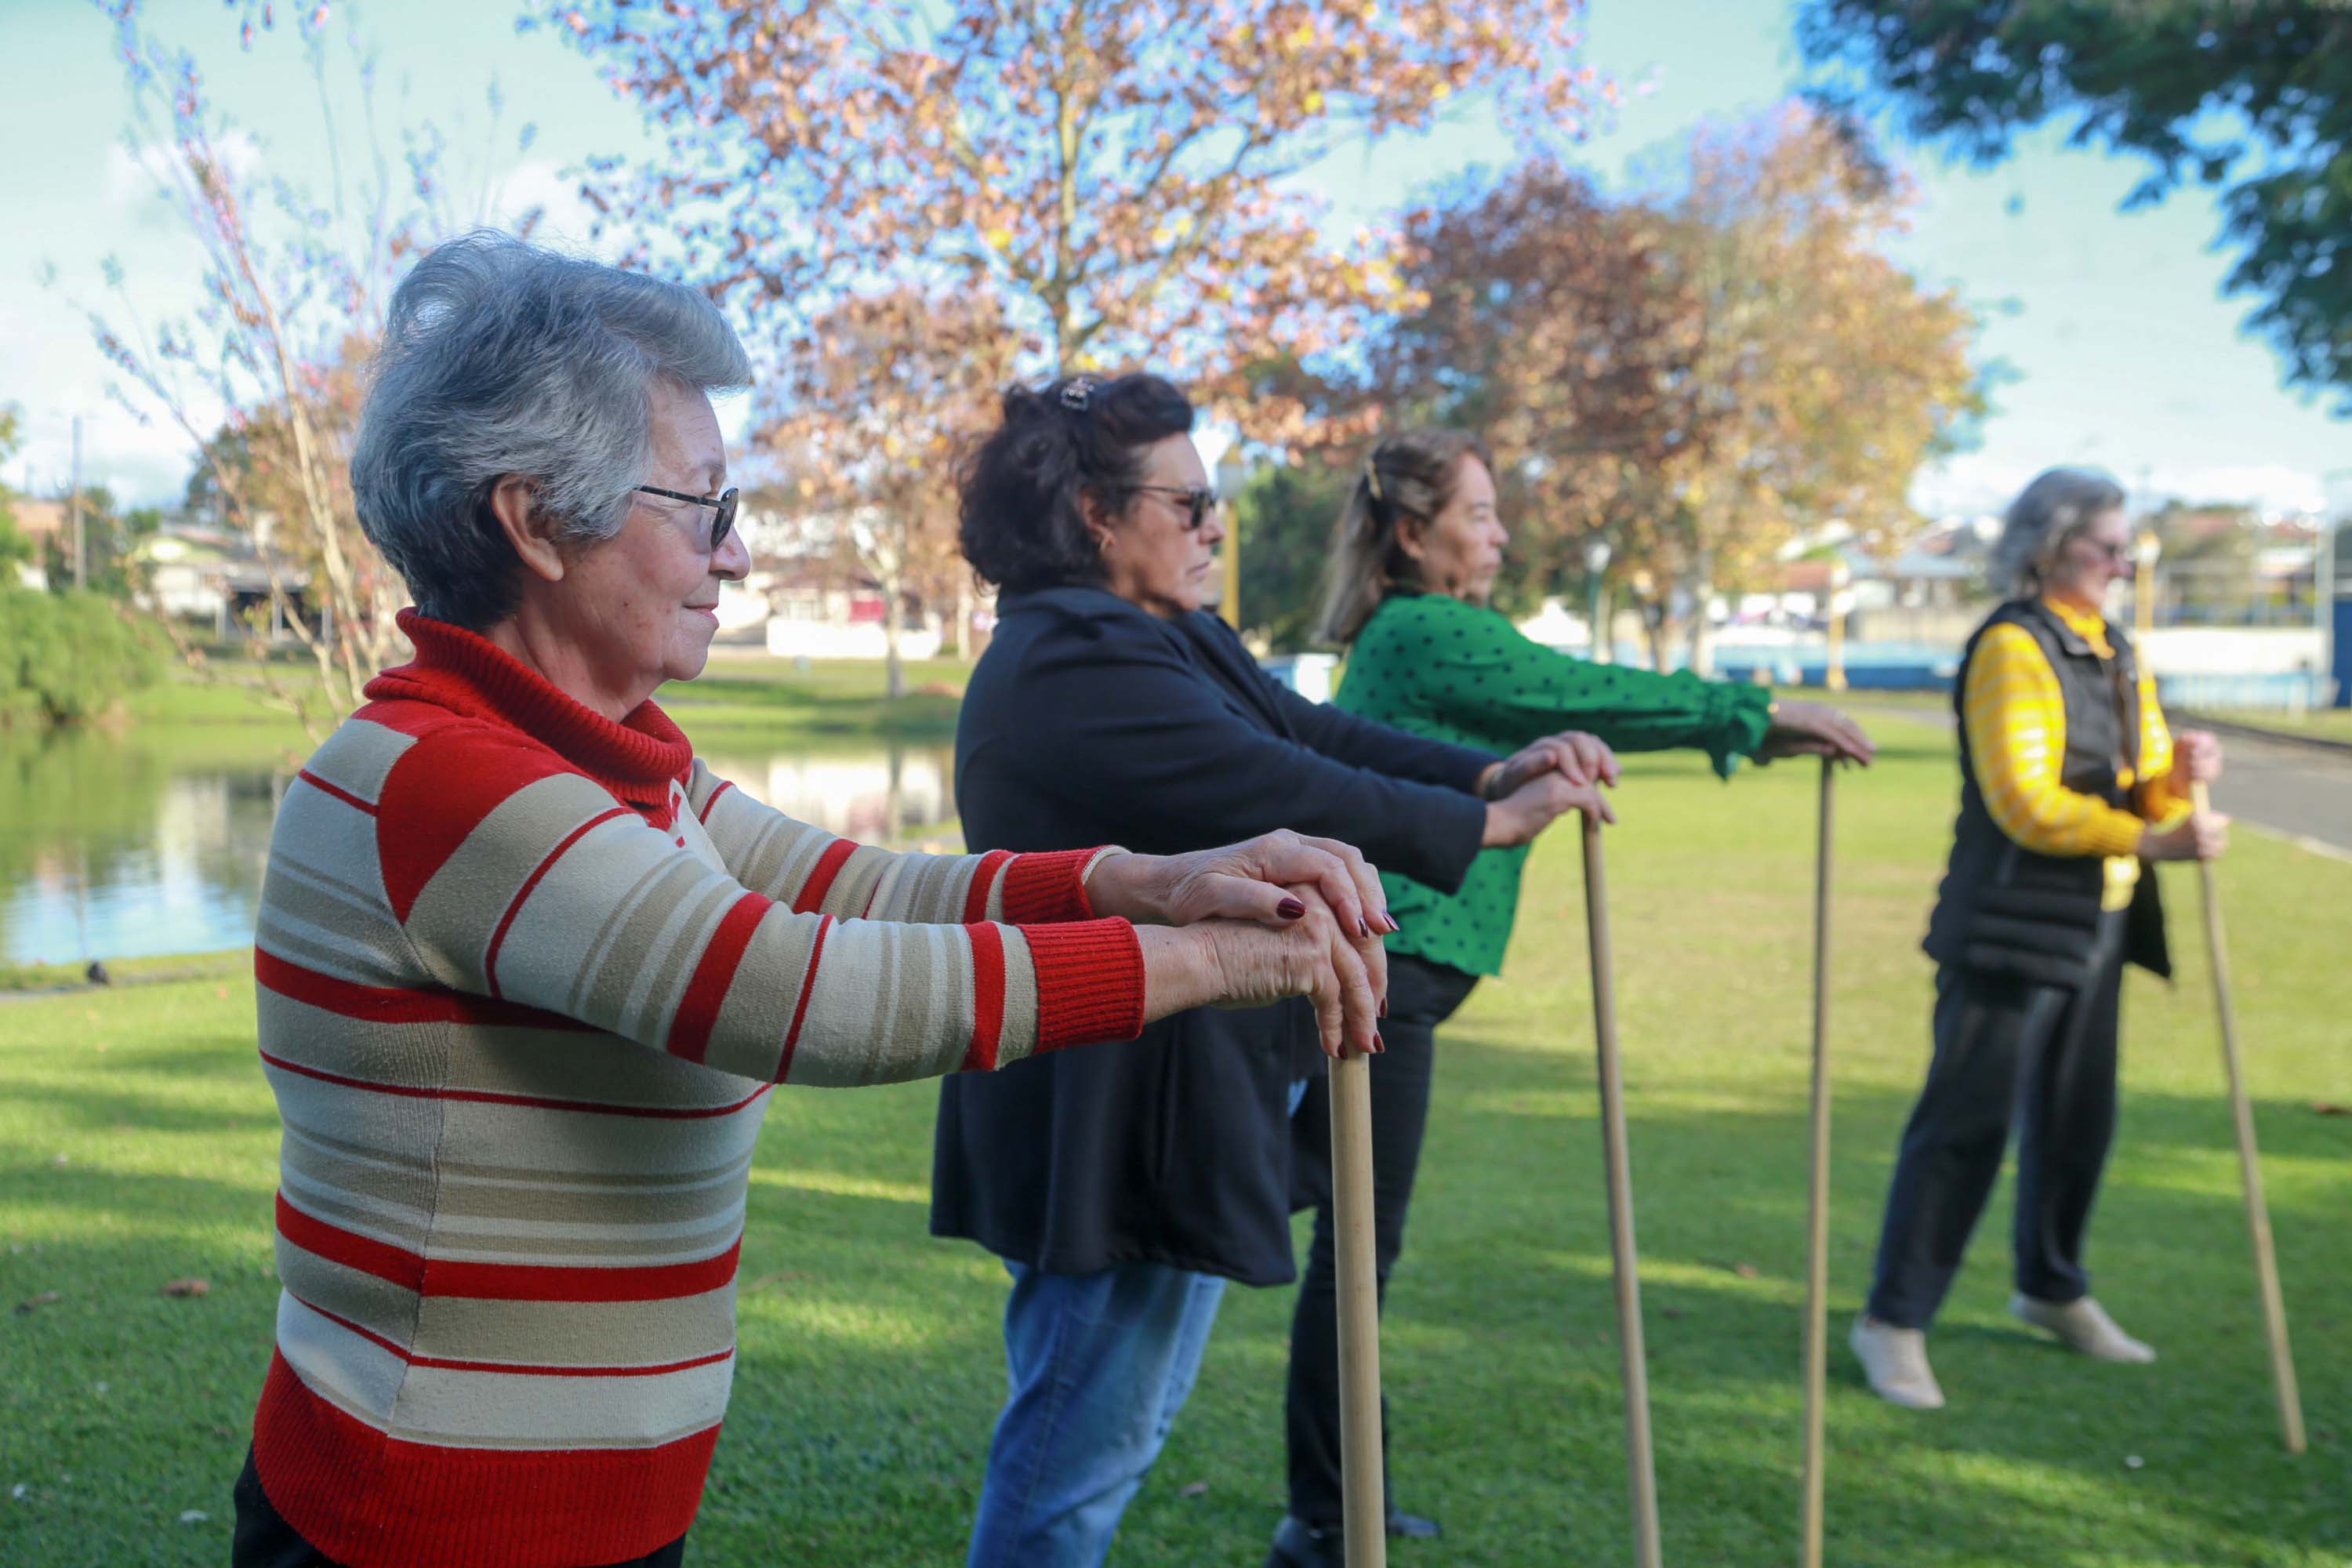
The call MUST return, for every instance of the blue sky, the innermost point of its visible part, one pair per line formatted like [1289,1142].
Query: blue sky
[2124,354]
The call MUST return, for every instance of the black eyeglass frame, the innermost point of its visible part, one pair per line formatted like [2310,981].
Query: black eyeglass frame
[1198,501]
[724,503]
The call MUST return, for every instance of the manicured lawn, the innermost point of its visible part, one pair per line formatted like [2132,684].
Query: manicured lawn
[137,1145]
[2327,723]
[737,692]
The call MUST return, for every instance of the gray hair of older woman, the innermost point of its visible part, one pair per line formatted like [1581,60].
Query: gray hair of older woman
[502,358]
[2055,508]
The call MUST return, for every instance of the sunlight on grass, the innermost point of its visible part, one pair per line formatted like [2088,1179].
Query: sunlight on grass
[844,1186]
[871,1361]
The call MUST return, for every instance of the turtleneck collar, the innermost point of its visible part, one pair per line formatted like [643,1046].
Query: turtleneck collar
[466,673]
[2088,624]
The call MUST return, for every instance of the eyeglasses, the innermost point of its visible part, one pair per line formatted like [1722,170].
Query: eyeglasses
[2115,554]
[724,504]
[1199,502]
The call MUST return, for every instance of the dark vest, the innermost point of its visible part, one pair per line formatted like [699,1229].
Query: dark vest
[2006,909]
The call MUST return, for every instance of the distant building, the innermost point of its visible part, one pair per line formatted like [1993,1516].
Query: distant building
[214,576]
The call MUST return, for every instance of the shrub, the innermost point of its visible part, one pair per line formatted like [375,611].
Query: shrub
[66,658]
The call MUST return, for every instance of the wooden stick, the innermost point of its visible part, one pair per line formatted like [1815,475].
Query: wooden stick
[1363,1489]
[1640,1472]
[1817,1237]
[2258,1219]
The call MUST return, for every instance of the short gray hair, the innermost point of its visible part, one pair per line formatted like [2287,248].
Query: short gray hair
[502,358]
[2055,508]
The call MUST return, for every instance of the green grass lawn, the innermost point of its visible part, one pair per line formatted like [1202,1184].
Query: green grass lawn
[737,690]
[2327,723]
[137,1145]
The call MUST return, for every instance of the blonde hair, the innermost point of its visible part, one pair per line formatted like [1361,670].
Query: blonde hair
[2046,515]
[1409,475]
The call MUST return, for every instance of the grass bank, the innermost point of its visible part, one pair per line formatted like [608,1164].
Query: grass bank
[2325,723]
[738,692]
[137,1146]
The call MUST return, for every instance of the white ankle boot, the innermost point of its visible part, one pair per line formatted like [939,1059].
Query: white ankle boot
[1895,1362]
[2083,1324]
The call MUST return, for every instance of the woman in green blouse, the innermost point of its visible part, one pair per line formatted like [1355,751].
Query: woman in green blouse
[1416,555]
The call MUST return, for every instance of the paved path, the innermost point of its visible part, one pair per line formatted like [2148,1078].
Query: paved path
[2302,793]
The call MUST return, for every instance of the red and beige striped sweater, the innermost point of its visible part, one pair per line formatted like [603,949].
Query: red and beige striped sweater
[526,976]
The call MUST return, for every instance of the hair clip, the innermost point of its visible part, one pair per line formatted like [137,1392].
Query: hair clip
[1076,391]
[1372,478]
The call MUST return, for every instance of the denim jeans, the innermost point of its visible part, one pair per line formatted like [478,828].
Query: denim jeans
[1099,1365]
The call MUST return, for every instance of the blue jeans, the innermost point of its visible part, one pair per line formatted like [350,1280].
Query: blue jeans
[1100,1364]
[1098,1367]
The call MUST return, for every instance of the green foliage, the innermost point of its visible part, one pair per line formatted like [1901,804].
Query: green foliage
[66,658]
[14,548]
[109,534]
[2206,91]
[1285,513]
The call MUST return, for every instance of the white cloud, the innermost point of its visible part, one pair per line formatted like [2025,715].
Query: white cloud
[134,175]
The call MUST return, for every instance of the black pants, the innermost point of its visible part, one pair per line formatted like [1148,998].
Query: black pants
[1422,996]
[2043,1057]
[264,1538]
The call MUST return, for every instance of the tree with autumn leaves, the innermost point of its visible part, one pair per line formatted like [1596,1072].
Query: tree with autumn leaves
[1106,184]
[1694,373]
[864,430]
[266,378]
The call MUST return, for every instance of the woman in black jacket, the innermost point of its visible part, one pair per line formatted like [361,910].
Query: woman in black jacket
[1123,1189]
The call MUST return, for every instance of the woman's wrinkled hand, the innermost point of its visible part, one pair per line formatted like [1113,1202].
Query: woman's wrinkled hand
[1242,964]
[1580,758]
[1533,807]
[2196,756]
[1814,729]
[1258,880]
[2199,836]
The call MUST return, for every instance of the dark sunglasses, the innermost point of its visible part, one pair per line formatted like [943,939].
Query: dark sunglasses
[2120,555]
[725,504]
[1199,502]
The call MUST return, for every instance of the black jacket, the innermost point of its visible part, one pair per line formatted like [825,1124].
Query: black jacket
[1090,721]
[2004,909]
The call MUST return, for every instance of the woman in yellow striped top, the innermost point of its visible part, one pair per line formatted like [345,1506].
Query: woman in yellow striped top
[2069,780]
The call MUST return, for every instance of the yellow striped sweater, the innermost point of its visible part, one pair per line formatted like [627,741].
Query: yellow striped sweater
[2016,718]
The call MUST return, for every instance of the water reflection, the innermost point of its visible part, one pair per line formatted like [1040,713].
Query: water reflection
[114,848]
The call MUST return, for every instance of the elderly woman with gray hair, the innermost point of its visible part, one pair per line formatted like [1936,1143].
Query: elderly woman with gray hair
[2069,782]
[528,970]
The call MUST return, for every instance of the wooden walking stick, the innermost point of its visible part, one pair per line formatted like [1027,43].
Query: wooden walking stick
[1641,1474]
[1362,1488]
[1817,1240]
[2258,1219]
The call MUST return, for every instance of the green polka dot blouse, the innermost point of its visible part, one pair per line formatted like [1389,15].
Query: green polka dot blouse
[1452,671]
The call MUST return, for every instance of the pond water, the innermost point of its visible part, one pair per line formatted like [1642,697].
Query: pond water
[120,847]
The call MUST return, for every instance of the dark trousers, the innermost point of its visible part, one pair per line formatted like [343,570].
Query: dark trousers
[2038,1055]
[264,1538]
[1422,996]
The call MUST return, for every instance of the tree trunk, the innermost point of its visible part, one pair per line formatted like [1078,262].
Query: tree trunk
[1702,629]
[893,616]
[1659,623]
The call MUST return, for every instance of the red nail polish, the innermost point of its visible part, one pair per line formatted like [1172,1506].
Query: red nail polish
[1362,929]
[1394,926]
[1379,1045]
[1384,1006]
[1290,909]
